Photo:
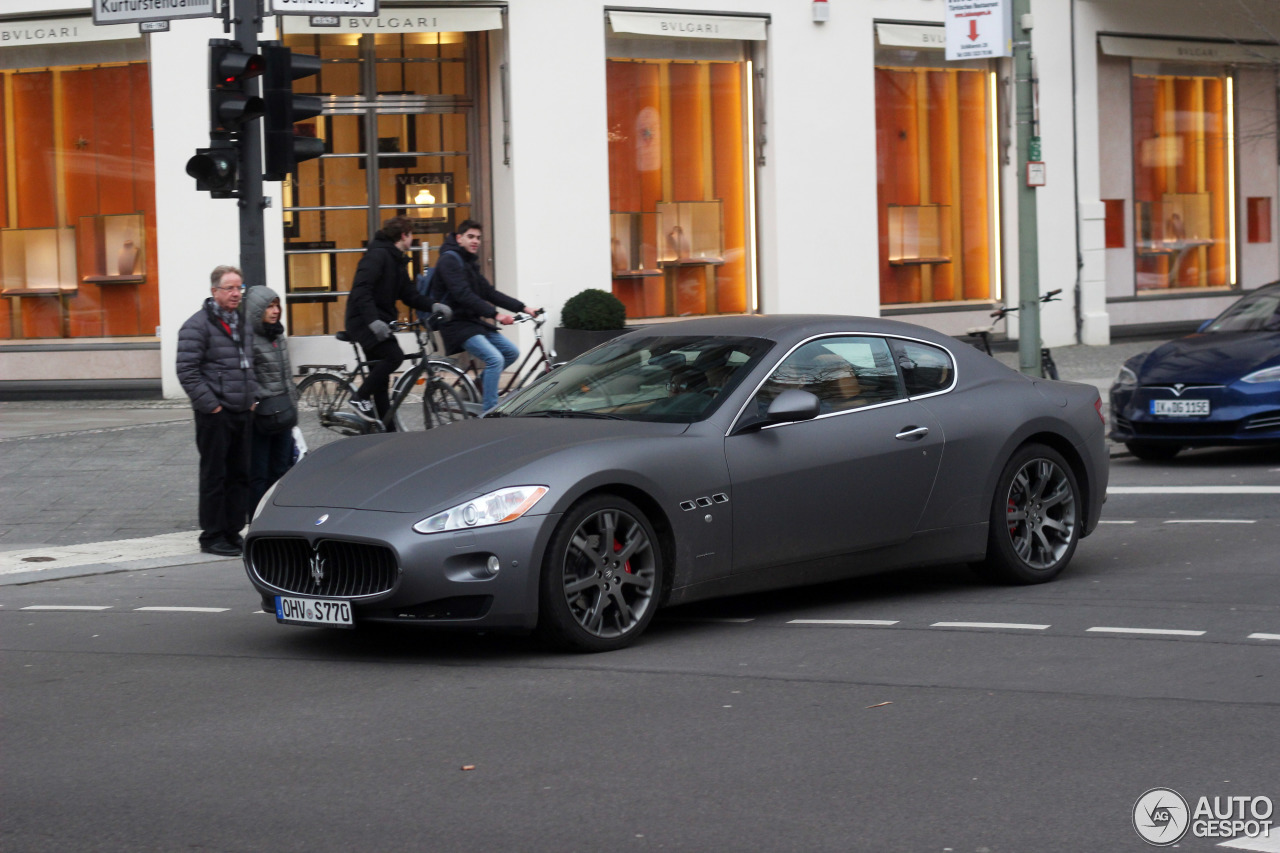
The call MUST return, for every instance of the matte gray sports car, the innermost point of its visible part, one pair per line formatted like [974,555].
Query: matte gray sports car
[689,460]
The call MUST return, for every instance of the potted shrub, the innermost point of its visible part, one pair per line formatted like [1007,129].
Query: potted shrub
[587,320]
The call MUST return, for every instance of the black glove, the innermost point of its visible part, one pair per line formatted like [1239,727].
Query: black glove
[381,331]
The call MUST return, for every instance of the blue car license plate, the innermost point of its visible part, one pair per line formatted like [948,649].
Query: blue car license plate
[314,611]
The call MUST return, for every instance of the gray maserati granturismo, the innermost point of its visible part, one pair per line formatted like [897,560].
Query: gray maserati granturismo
[687,460]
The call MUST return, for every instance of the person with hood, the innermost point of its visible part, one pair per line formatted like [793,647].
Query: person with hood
[215,368]
[381,279]
[272,451]
[475,304]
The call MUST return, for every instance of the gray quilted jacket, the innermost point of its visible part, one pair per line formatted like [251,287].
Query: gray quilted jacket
[209,363]
[270,358]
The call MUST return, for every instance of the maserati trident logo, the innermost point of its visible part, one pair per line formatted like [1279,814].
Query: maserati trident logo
[317,567]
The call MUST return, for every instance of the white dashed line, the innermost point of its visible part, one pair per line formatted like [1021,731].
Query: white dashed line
[843,622]
[184,609]
[1193,490]
[1210,521]
[1172,632]
[1109,521]
[1018,625]
[66,607]
[1264,636]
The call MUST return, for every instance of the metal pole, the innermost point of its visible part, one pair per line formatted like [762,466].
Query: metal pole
[253,254]
[1028,234]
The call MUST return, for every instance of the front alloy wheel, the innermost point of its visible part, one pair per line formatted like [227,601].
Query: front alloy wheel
[1035,517]
[601,577]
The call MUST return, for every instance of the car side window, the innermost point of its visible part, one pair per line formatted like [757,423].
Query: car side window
[925,369]
[843,372]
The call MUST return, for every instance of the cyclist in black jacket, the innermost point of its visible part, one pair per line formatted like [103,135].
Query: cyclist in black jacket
[381,279]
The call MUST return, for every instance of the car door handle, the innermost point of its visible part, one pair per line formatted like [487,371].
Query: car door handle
[912,433]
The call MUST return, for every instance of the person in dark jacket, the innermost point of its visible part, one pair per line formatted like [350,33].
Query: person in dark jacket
[475,304]
[381,279]
[215,367]
[272,452]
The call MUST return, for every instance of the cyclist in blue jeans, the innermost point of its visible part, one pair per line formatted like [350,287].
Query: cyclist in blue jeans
[475,303]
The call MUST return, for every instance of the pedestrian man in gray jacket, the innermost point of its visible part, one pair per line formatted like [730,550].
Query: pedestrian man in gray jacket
[215,367]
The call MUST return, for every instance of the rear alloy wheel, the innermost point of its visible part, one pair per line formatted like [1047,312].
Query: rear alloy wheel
[1148,452]
[1035,517]
[601,576]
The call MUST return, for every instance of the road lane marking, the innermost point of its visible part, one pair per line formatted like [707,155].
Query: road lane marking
[1110,521]
[1264,636]
[1193,490]
[1172,632]
[1017,625]
[67,607]
[184,609]
[707,619]
[1257,845]
[843,622]
[1210,521]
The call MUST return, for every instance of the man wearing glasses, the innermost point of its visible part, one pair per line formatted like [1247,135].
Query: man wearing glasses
[215,367]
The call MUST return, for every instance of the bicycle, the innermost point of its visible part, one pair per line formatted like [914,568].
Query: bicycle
[537,362]
[325,389]
[1048,368]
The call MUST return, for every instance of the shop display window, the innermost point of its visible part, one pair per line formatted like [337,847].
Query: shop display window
[679,177]
[77,202]
[935,178]
[1181,177]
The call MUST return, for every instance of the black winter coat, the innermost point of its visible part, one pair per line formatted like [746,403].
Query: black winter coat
[381,279]
[209,363]
[469,294]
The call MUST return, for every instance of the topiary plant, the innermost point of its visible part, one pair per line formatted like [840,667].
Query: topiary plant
[594,310]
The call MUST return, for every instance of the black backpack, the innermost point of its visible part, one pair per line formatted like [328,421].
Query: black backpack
[432,287]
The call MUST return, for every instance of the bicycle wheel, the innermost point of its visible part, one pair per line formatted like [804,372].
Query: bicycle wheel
[321,400]
[457,379]
[409,415]
[442,405]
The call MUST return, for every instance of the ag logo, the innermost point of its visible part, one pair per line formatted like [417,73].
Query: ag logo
[1161,817]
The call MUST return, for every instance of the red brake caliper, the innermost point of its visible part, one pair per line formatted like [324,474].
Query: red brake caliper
[617,546]
[1013,525]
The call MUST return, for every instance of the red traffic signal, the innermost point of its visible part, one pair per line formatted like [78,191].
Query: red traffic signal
[232,103]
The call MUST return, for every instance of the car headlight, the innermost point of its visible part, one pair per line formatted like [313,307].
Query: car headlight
[494,508]
[266,499]
[1266,374]
[1126,380]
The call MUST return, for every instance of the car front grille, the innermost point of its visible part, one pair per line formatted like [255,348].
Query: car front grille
[1270,420]
[333,568]
[1183,428]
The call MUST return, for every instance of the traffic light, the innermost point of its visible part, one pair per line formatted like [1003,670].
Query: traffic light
[285,148]
[231,101]
[216,168]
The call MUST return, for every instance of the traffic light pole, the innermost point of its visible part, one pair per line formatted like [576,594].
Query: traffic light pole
[253,252]
[1028,234]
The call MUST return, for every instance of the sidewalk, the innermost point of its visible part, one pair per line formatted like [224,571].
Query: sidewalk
[122,474]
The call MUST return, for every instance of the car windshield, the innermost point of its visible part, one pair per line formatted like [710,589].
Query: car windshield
[670,379]
[1259,312]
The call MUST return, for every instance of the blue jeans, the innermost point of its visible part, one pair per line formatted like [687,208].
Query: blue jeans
[497,353]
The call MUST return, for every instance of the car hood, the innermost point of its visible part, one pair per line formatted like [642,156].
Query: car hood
[1218,358]
[417,472]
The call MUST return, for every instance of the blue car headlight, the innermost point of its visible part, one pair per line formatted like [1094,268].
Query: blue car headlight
[1266,374]
[498,507]
[1127,380]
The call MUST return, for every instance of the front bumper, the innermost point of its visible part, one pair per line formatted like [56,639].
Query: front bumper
[390,573]
[1239,415]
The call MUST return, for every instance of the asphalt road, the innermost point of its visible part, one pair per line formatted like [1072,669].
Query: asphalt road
[734,725]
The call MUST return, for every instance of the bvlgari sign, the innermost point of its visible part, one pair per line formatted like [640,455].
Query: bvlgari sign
[681,25]
[136,11]
[60,31]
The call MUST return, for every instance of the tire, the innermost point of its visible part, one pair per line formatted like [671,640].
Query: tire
[1153,452]
[601,576]
[408,416]
[442,405]
[320,396]
[1048,365]
[456,378]
[1036,517]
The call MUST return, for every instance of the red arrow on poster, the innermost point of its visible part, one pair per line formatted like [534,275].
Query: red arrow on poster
[973,29]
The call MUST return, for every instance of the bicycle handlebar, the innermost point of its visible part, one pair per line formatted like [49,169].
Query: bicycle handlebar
[1009,309]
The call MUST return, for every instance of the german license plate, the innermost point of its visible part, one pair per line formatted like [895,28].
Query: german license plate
[1180,408]
[313,611]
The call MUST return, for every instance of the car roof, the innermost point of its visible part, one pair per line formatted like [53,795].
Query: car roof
[791,327]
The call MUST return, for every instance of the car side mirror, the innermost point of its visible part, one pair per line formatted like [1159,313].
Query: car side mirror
[792,405]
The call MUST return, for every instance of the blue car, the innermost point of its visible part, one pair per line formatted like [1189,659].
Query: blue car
[1217,387]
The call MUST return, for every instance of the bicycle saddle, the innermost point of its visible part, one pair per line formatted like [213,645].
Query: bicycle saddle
[342,336]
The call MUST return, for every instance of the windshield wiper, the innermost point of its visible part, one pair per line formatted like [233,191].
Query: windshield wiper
[572,413]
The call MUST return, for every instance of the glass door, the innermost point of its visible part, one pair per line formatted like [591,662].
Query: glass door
[399,125]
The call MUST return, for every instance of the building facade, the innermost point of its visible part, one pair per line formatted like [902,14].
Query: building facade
[726,157]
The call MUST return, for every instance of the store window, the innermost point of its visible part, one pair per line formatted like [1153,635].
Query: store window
[680,175]
[77,201]
[1182,182]
[400,124]
[935,177]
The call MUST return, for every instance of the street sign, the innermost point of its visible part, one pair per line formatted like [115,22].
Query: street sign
[142,11]
[324,7]
[977,29]
[153,27]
